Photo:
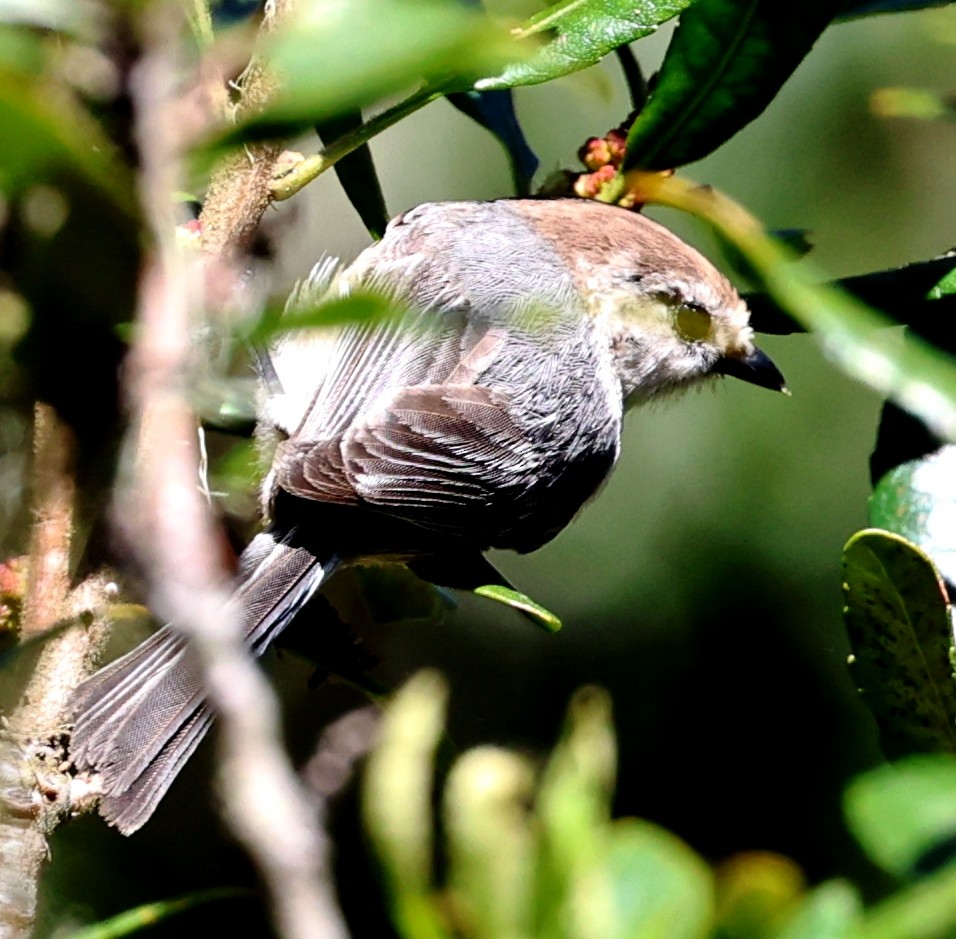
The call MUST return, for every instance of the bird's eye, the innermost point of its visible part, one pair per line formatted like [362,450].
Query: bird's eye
[693,322]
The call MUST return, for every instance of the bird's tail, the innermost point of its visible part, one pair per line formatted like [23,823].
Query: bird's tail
[139,719]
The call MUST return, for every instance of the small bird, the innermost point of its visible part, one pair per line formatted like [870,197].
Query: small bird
[484,417]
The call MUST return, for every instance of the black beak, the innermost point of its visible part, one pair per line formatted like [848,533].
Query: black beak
[757,368]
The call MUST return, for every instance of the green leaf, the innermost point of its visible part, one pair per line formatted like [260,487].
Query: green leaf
[579,33]
[899,627]
[574,807]
[756,893]
[945,286]
[575,795]
[924,910]
[492,841]
[142,917]
[832,911]
[661,888]
[356,173]
[46,135]
[326,69]
[917,103]
[902,813]
[917,500]
[392,594]
[357,307]
[397,801]
[725,64]
[521,602]
[21,51]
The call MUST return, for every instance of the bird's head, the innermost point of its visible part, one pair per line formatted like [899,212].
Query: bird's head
[670,318]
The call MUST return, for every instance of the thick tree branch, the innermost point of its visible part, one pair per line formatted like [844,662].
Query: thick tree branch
[239,192]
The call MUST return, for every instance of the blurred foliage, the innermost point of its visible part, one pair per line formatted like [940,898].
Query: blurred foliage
[703,589]
[533,850]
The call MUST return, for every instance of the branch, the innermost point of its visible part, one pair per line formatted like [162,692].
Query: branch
[170,527]
[34,787]
[239,192]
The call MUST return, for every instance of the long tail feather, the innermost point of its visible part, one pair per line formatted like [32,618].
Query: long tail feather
[140,718]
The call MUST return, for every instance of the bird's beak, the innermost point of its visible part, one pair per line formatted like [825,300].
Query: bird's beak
[754,366]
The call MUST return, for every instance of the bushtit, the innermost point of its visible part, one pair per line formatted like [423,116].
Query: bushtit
[484,419]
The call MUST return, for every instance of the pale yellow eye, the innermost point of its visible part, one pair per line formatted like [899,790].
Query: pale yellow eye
[693,324]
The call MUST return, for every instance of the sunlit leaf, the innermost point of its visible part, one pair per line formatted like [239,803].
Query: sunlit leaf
[725,64]
[832,911]
[492,841]
[919,103]
[357,307]
[397,799]
[917,500]
[945,286]
[325,66]
[522,602]
[661,888]
[579,33]
[756,892]
[900,631]
[142,917]
[903,812]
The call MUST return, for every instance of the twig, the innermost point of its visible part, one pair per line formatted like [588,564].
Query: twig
[303,172]
[54,491]
[239,192]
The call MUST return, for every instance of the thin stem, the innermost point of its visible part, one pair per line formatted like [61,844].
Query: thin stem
[633,76]
[312,167]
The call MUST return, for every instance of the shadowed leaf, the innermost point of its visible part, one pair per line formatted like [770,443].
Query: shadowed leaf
[725,64]
[357,174]
[900,630]
[910,295]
